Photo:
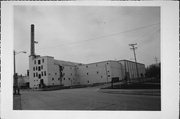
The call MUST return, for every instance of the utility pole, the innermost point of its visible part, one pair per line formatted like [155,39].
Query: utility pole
[134,48]
[156,60]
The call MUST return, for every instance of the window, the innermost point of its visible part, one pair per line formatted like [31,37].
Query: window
[52,78]
[39,68]
[33,68]
[44,73]
[34,74]
[64,78]
[34,61]
[86,66]
[97,72]
[39,76]
[87,73]
[39,61]
[42,60]
[36,68]
[108,75]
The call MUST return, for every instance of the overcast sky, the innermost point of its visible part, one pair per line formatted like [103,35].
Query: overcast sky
[87,34]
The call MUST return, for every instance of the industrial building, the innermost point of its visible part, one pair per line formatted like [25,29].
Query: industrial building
[132,69]
[47,71]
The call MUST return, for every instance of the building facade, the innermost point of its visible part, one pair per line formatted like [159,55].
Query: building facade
[47,71]
[130,70]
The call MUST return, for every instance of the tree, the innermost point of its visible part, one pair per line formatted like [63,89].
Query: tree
[154,70]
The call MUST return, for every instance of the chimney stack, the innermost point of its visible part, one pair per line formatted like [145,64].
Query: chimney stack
[32,41]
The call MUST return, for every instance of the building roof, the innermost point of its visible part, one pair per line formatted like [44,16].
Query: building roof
[131,61]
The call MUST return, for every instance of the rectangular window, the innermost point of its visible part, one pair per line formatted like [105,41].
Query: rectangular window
[52,78]
[39,76]
[33,68]
[34,61]
[87,73]
[36,68]
[39,68]
[42,60]
[39,61]
[64,79]
[44,73]
[34,74]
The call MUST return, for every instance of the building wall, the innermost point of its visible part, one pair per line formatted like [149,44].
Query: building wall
[47,69]
[130,68]
[38,71]
[93,73]
[116,70]
[100,72]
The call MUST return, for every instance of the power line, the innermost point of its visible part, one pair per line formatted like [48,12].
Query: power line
[131,30]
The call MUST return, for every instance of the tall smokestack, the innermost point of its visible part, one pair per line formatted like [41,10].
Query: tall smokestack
[32,40]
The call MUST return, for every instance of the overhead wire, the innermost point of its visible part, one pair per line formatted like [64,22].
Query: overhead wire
[105,36]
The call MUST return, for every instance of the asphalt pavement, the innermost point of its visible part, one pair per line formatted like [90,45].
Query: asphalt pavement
[90,98]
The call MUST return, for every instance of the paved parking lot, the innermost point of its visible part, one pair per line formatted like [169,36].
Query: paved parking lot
[90,98]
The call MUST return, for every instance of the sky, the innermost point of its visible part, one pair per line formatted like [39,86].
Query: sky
[87,34]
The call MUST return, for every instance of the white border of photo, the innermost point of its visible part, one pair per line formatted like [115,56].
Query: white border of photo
[169,60]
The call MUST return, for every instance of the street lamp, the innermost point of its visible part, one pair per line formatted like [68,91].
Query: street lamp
[15,87]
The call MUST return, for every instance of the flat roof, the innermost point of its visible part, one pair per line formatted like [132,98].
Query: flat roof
[100,62]
[131,61]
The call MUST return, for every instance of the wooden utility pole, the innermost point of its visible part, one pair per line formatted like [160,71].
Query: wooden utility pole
[134,48]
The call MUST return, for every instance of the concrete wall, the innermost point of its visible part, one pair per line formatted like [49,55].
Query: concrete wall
[75,74]
[93,73]
[116,70]
[130,68]
[38,71]
[99,72]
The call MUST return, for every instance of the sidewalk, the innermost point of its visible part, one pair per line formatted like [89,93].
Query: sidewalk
[16,102]
[150,92]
